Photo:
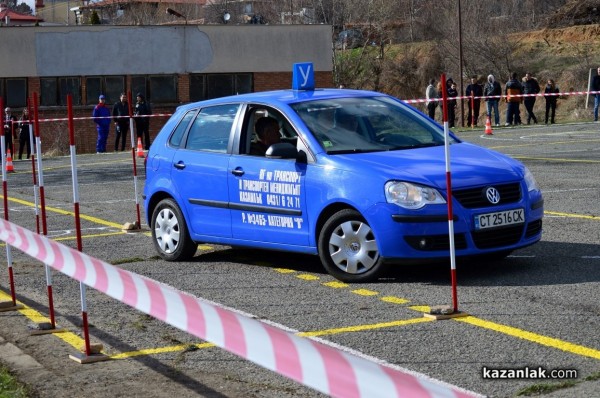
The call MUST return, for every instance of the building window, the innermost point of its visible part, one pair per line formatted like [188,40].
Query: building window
[157,88]
[219,85]
[110,86]
[54,91]
[14,92]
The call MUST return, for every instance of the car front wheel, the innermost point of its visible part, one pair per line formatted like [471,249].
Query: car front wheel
[170,234]
[348,249]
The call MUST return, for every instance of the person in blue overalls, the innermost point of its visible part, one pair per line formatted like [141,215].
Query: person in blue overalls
[102,118]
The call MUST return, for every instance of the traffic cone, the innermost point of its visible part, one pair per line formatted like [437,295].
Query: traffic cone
[140,150]
[9,163]
[488,126]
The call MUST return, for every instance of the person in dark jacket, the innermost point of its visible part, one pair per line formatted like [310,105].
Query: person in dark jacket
[142,124]
[492,92]
[551,96]
[531,87]
[513,92]
[120,113]
[101,115]
[24,142]
[595,86]
[452,94]
[474,105]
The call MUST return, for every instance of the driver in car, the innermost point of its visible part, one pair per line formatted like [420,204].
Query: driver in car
[267,134]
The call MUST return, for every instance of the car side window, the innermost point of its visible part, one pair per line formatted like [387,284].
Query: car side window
[211,129]
[181,128]
[286,131]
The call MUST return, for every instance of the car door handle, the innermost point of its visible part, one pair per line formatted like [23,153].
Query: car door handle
[179,165]
[237,172]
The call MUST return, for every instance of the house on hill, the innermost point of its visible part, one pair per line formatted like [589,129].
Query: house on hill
[12,18]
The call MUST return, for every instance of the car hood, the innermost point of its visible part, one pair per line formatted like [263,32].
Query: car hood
[470,165]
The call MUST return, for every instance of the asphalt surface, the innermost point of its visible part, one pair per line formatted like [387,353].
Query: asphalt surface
[537,308]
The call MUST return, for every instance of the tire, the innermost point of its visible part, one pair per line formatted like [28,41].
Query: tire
[170,233]
[348,249]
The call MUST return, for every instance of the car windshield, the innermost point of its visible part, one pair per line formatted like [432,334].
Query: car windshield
[367,124]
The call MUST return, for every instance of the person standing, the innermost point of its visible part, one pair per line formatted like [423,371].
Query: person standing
[492,92]
[513,92]
[595,86]
[551,96]
[120,113]
[474,105]
[101,115]
[431,97]
[24,141]
[142,124]
[452,94]
[9,129]
[531,87]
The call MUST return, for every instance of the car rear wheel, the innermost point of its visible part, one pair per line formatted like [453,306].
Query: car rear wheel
[170,234]
[348,249]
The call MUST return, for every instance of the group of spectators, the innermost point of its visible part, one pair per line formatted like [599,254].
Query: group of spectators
[516,91]
[103,117]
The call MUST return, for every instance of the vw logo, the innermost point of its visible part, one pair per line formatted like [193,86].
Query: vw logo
[492,195]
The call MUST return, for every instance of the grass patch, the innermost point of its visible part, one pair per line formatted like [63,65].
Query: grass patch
[539,389]
[10,387]
[592,377]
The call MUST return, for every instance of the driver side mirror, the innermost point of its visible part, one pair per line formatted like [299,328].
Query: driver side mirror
[284,150]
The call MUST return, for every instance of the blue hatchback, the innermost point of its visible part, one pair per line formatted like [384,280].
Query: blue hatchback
[355,177]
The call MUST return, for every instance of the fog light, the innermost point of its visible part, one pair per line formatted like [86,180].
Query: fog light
[423,243]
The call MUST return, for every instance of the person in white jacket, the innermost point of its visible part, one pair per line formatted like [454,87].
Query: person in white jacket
[431,95]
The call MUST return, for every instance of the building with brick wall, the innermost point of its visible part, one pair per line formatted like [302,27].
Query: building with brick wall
[171,65]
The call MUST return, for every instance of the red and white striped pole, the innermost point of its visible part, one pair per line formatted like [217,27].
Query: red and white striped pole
[11,277]
[33,157]
[38,151]
[133,157]
[449,194]
[73,152]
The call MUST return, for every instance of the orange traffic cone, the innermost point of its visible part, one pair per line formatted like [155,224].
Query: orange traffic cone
[488,126]
[140,150]
[9,163]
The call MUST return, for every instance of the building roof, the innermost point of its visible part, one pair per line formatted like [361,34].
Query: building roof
[17,18]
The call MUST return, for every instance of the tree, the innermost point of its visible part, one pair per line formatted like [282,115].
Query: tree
[24,8]
[94,18]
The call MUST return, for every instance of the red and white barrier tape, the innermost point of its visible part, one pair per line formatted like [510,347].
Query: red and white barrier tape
[468,97]
[333,372]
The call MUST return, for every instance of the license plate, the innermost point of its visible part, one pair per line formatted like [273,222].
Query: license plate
[499,219]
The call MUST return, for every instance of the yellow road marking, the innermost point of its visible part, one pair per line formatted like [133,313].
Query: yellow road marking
[336,284]
[68,213]
[361,328]
[284,270]
[395,300]
[534,337]
[160,350]
[556,213]
[556,159]
[365,292]
[68,337]
[307,277]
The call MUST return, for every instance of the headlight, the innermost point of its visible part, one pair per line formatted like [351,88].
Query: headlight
[411,196]
[530,181]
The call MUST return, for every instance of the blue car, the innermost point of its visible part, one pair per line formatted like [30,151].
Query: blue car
[355,177]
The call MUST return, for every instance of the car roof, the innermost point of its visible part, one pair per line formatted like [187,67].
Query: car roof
[286,97]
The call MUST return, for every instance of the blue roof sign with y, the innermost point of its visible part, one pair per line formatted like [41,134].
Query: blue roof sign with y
[303,76]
